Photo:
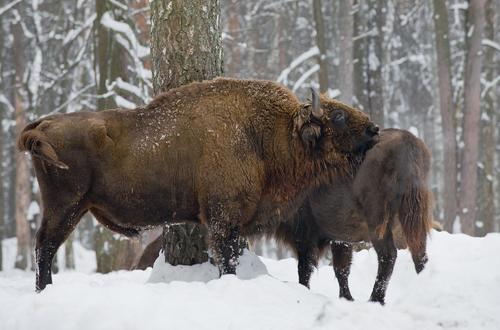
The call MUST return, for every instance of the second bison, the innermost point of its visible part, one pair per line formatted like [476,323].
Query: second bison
[231,154]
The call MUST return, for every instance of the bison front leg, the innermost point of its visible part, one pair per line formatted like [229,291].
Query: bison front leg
[225,247]
[386,253]
[342,257]
[224,239]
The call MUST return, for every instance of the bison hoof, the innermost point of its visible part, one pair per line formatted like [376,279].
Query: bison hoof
[346,297]
[379,300]
[420,264]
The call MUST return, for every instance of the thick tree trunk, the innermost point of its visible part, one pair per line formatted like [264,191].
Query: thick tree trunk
[345,72]
[186,42]
[321,43]
[450,202]
[486,174]
[186,46]
[472,111]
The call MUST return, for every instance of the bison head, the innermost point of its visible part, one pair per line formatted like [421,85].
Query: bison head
[329,125]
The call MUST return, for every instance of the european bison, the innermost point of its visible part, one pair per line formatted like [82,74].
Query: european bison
[388,193]
[231,154]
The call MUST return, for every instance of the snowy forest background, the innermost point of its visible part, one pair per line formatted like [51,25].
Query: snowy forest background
[428,66]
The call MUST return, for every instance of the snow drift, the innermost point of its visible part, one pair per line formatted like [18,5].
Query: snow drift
[459,289]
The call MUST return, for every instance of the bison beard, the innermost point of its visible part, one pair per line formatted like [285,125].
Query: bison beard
[235,155]
[389,194]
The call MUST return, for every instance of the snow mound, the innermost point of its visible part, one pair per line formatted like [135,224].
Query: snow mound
[250,266]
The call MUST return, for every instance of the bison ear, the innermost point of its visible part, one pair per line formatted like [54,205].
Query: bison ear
[310,134]
[317,111]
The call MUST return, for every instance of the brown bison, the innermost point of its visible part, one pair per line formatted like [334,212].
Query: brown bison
[231,154]
[389,193]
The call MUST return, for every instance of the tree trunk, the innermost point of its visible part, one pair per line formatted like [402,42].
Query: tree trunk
[450,203]
[486,173]
[113,252]
[186,46]
[22,186]
[233,63]
[345,72]
[358,57]
[186,42]
[69,254]
[375,58]
[472,110]
[321,43]
[2,199]
[102,55]
[370,57]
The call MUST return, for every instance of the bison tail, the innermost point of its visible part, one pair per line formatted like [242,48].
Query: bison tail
[416,220]
[37,144]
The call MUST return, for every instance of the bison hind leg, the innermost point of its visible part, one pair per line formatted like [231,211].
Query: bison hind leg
[55,228]
[307,256]
[386,254]
[420,263]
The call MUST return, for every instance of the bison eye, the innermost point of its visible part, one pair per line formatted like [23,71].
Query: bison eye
[338,117]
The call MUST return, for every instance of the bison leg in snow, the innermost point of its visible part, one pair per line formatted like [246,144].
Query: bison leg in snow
[386,253]
[307,255]
[342,257]
[57,225]
[224,237]
[225,247]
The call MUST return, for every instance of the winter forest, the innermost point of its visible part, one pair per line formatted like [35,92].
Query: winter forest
[430,67]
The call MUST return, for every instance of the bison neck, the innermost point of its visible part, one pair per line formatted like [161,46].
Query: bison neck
[294,170]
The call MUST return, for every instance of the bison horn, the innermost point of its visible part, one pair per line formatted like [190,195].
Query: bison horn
[316,104]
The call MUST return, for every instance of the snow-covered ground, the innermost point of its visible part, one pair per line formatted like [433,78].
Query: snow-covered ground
[459,289]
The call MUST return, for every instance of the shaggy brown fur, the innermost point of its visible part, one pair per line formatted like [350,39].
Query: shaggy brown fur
[236,155]
[389,191]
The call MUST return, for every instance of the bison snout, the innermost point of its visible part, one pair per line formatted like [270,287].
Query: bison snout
[372,130]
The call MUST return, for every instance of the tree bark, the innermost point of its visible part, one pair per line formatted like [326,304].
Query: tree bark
[112,251]
[2,198]
[186,42]
[321,43]
[486,174]
[370,57]
[375,58]
[472,110]
[69,254]
[446,106]
[102,56]
[186,46]
[22,186]
[358,57]
[345,72]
